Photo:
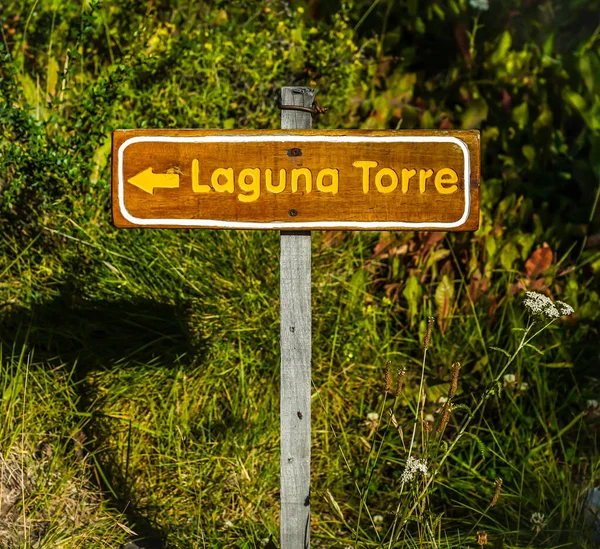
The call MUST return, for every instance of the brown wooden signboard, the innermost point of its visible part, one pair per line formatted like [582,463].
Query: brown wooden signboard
[296,180]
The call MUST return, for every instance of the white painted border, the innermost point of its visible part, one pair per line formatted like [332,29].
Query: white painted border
[374,225]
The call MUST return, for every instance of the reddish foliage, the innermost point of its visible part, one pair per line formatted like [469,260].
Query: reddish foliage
[446,124]
[506,100]
[460,33]
[432,239]
[333,239]
[539,262]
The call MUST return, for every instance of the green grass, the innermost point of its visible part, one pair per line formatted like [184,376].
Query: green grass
[50,493]
[181,399]
[140,369]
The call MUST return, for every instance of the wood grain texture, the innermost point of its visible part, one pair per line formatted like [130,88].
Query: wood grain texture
[251,204]
[296,350]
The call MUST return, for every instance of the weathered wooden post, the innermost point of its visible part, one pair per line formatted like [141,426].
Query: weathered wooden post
[295,318]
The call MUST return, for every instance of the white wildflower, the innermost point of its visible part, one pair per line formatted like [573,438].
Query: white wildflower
[228,524]
[537,522]
[442,400]
[372,422]
[541,305]
[592,403]
[509,379]
[536,302]
[564,309]
[482,5]
[377,519]
[429,417]
[524,386]
[413,466]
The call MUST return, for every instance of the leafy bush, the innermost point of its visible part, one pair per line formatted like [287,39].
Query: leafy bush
[139,64]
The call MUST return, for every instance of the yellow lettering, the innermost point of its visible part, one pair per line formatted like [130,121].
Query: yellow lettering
[196,187]
[335,180]
[446,176]
[253,187]
[389,173]
[296,174]
[222,187]
[276,189]
[424,175]
[406,175]
[366,165]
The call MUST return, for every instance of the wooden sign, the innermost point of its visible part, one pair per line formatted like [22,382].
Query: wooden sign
[296,180]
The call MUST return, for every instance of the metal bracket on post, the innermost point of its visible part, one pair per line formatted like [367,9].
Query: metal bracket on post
[296,334]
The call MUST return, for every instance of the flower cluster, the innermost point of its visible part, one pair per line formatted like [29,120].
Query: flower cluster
[510,381]
[482,5]
[537,522]
[372,422]
[541,305]
[413,466]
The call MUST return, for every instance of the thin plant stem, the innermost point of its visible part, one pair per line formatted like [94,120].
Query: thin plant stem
[524,341]
[346,463]
[365,491]
[412,441]
[366,14]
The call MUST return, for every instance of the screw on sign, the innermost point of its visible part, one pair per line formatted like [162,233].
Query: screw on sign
[295,180]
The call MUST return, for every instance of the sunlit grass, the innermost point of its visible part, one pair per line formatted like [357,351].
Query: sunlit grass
[180,395]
